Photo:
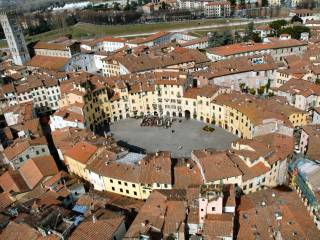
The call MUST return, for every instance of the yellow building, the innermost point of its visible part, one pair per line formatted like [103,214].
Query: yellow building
[77,157]
[132,175]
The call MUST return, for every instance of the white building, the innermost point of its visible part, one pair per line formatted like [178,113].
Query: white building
[70,116]
[23,149]
[217,9]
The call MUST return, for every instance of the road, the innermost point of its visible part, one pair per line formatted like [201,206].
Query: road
[209,26]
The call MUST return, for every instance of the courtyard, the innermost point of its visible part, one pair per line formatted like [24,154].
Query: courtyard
[180,139]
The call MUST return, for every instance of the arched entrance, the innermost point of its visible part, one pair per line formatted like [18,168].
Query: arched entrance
[187,114]
[174,114]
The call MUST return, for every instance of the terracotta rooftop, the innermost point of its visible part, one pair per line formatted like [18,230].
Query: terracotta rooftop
[217,226]
[284,213]
[51,46]
[46,62]
[81,152]
[238,48]
[313,150]
[100,229]
[12,181]
[36,169]
[216,165]
[20,145]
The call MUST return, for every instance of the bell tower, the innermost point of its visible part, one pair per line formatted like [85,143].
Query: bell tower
[14,37]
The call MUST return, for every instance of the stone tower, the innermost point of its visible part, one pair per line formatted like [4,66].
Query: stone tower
[14,37]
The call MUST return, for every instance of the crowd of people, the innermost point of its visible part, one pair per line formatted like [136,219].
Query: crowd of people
[151,121]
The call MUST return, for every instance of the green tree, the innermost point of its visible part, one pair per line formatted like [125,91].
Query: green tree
[264,3]
[214,39]
[252,91]
[277,25]
[294,31]
[116,6]
[127,7]
[237,37]
[261,90]
[227,37]
[249,31]
[317,81]
[296,18]
[242,4]
[242,87]
[233,2]
[256,37]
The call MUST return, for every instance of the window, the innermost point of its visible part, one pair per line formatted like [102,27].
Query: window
[250,185]
[119,182]
[135,193]
[165,185]
[37,152]
[43,150]
[111,180]
[158,184]
[133,185]
[27,156]
[201,209]
[20,159]
[113,189]
[127,191]
[121,190]
[213,208]
[126,184]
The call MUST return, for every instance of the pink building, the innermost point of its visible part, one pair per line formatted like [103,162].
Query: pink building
[211,201]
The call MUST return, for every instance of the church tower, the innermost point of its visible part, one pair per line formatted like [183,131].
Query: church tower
[14,37]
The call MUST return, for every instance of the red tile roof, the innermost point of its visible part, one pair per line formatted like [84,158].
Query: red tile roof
[81,152]
[35,169]
[46,62]
[101,229]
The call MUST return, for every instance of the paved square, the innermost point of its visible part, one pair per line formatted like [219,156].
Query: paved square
[188,135]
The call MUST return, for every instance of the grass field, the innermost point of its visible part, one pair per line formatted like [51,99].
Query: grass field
[85,30]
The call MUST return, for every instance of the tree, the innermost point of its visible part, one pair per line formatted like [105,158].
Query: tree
[127,7]
[214,39]
[243,87]
[296,18]
[265,3]
[227,37]
[277,25]
[252,91]
[233,3]
[256,37]
[317,81]
[71,20]
[237,37]
[242,4]
[116,6]
[268,85]
[249,31]
[164,5]
[309,4]
[295,31]
[261,90]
